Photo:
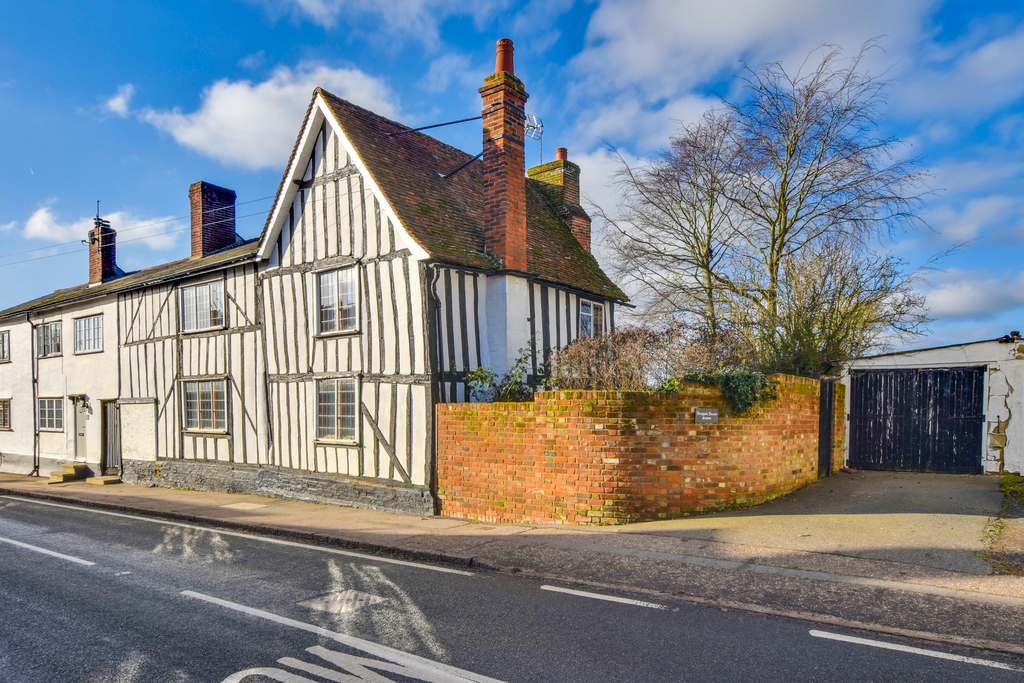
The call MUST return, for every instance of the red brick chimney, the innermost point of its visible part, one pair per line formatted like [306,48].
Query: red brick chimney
[560,182]
[102,245]
[213,218]
[504,102]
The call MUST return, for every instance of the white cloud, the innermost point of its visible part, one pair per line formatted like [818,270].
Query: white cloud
[448,69]
[970,80]
[977,215]
[416,19]
[974,295]
[663,47]
[253,61]
[7,227]
[158,233]
[118,104]
[254,125]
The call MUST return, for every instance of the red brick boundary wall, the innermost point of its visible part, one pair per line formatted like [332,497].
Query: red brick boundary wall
[586,457]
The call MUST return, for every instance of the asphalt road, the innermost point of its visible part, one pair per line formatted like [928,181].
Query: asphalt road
[96,596]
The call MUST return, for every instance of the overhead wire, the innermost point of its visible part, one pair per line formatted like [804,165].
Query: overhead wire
[124,230]
[137,239]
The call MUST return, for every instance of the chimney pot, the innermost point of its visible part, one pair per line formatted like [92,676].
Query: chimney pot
[561,154]
[503,60]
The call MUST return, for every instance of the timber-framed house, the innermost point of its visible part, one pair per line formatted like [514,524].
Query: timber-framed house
[308,363]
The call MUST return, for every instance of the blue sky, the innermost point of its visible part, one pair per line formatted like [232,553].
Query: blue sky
[129,103]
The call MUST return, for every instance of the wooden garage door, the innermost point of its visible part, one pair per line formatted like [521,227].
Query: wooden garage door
[917,420]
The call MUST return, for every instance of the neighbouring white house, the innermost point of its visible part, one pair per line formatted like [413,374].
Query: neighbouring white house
[308,363]
[955,408]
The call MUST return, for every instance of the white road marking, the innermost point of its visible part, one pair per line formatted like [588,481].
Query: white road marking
[914,650]
[598,596]
[275,541]
[44,551]
[441,673]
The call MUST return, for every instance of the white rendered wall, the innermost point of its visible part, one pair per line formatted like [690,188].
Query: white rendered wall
[16,385]
[1004,391]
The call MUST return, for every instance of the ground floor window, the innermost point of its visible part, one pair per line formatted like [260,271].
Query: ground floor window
[336,409]
[206,405]
[51,414]
[591,319]
[5,413]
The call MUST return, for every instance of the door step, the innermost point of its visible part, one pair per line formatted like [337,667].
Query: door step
[104,481]
[69,471]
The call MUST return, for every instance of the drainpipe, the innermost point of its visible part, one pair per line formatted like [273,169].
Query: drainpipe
[35,402]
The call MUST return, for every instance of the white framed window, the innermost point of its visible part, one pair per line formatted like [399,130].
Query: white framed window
[336,409]
[89,334]
[591,319]
[48,339]
[202,306]
[5,346]
[205,405]
[51,414]
[338,300]
[5,414]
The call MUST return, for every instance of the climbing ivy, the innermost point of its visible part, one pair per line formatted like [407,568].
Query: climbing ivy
[742,388]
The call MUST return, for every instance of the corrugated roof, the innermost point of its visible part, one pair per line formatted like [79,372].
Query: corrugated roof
[445,214]
[174,270]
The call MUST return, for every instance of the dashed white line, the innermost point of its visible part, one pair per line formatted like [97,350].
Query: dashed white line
[914,650]
[442,673]
[598,596]
[263,539]
[44,551]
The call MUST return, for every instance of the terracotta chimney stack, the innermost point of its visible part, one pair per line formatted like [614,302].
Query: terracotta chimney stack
[560,182]
[102,245]
[213,218]
[504,113]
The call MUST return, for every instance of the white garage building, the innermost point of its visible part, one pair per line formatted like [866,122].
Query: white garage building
[955,409]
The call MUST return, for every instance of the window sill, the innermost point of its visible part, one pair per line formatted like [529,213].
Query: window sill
[3,360]
[52,355]
[88,353]
[340,333]
[205,432]
[215,328]
[52,431]
[336,443]
[6,429]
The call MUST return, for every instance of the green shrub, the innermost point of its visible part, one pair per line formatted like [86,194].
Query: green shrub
[742,388]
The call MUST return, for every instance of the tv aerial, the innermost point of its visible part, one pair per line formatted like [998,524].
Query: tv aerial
[535,129]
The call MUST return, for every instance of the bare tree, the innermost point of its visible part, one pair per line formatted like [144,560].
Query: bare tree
[759,220]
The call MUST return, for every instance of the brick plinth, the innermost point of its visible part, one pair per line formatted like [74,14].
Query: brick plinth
[591,457]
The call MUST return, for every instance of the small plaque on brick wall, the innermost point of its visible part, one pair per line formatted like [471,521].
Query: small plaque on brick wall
[705,415]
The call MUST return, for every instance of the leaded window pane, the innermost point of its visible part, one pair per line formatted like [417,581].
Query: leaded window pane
[336,409]
[348,298]
[329,302]
[206,405]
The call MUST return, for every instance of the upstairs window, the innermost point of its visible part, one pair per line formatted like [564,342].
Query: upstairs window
[48,339]
[591,319]
[89,334]
[5,346]
[339,296]
[5,414]
[336,409]
[202,306]
[51,414]
[206,405]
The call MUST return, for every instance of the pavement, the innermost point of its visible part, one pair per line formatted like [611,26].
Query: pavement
[889,552]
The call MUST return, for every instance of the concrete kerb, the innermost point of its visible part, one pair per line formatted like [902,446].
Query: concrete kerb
[317,539]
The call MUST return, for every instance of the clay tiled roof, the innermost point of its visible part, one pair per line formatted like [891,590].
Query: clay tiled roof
[445,215]
[175,270]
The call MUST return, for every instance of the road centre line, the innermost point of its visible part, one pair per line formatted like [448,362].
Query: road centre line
[443,673]
[914,650]
[598,596]
[44,551]
[276,541]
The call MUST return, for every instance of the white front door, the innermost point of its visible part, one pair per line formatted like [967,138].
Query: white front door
[81,416]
